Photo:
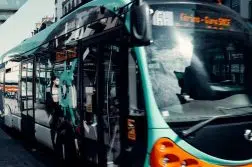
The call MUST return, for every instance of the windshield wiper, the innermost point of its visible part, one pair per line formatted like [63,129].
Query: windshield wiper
[202,124]
[226,108]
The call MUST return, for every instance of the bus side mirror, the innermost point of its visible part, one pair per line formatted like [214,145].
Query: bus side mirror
[140,25]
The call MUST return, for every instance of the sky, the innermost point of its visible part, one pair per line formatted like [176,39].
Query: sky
[21,25]
[8,4]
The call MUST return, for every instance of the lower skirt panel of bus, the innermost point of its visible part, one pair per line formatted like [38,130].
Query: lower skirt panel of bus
[43,135]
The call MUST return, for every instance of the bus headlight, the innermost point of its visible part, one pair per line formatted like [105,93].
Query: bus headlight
[166,153]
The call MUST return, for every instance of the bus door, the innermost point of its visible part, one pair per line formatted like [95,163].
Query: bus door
[93,144]
[27,99]
[102,76]
[114,66]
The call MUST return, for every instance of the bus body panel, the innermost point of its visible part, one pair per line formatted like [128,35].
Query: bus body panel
[16,122]
[8,119]
[43,135]
[156,134]
[157,127]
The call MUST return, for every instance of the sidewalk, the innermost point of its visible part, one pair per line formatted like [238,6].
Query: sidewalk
[13,154]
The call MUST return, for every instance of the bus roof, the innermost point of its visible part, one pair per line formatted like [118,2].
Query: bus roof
[31,45]
[41,39]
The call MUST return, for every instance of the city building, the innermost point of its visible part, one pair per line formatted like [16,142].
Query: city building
[45,22]
[63,7]
[244,7]
[8,8]
[58,9]
[70,5]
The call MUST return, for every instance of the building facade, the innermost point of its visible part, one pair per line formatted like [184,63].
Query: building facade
[8,8]
[45,22]
[244,7]
[58,9]
[63,7]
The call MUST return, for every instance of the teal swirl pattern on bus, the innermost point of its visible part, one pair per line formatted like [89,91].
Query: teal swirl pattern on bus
[67,91]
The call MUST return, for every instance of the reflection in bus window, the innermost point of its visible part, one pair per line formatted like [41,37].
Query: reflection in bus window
[1,91]
[43,109]
[11,87]
[198,67]
[111,110]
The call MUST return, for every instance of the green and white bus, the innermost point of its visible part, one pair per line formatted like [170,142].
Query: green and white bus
[160,83]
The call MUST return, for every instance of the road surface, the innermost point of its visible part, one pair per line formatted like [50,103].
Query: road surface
[14,153]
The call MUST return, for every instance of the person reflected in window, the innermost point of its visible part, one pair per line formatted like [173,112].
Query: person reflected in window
[53,107]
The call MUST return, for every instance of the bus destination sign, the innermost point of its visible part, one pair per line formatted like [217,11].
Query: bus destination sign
[218,23]
[193,20]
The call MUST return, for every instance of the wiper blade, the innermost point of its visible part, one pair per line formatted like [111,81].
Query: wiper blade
[202,124]
[227,108]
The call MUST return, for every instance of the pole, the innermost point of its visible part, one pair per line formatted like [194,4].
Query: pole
[102,154]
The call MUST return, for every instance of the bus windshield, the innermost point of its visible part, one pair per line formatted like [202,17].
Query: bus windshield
[198,63]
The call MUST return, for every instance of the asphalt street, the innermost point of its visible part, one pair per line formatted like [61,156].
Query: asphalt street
[14,152]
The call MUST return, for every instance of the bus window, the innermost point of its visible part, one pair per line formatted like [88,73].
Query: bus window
[65,73]
[27,87]
[88,83]
[43,90]
[65,118]
[11,87]
[1,91]
[200,62]
[111,109]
